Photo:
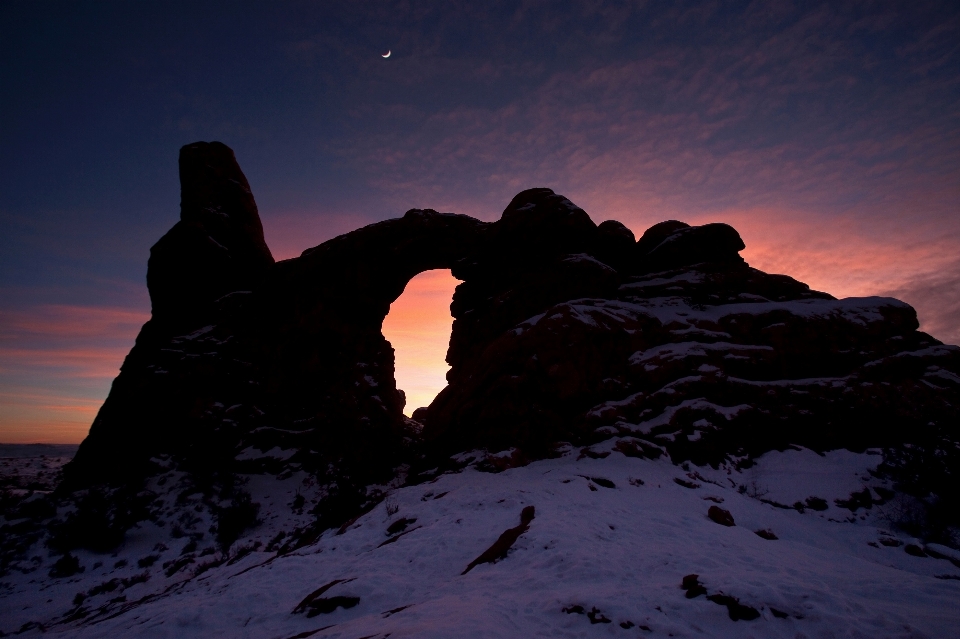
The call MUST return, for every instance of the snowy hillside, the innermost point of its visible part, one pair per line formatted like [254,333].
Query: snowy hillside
[610,551]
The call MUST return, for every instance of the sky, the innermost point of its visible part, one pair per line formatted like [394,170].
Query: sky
[827,134]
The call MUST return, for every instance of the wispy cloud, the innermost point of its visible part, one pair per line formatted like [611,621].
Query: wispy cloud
[48,410]
[69,322]
[56,365]
[290,233]
[829,138]
[936,296]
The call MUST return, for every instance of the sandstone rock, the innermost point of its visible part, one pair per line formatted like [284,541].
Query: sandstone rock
[175,380]
[564,332]
[216,248]
[691,584]
[505,542]
[691,245]
[656,234]
[615,245]
[720,516]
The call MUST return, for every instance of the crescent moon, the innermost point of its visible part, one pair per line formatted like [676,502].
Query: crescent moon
[386,55]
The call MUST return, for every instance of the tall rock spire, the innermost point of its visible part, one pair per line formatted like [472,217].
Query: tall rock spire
[216,248]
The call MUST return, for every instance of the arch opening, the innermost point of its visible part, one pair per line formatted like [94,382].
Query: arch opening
[418,327]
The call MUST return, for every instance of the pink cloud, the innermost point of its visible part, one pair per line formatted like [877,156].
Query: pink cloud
[936,296]
[32,414]
[76,363]
[855,256]
[59,321]
[289,233]
[855,194]
[56,364]
[77,341]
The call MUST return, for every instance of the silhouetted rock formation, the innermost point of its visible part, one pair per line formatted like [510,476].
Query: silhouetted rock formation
[564,331]
[326,383]
[216,248]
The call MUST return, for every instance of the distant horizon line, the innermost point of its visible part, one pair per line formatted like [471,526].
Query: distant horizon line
[37,444]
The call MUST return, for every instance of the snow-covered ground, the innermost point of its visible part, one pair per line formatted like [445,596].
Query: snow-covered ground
[605,555]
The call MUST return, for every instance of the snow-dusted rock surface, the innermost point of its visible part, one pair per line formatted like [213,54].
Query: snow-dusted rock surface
[606,554]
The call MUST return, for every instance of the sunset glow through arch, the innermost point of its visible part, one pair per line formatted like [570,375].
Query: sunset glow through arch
[418,326]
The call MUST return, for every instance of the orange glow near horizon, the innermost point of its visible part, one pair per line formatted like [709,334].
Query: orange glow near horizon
[418,326]
[50,418]
[57,363]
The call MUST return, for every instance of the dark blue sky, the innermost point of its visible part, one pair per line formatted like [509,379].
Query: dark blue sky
[828,134]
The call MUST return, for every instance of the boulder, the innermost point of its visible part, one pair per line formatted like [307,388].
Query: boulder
[673,246]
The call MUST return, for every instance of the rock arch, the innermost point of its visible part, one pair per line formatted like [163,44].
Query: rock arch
[244,352]
[418,328]
[560,333]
